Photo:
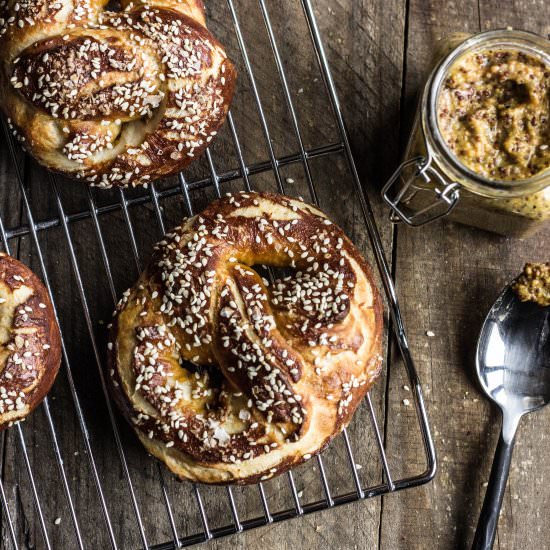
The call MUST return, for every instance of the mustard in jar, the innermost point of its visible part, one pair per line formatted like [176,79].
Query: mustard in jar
[479,151]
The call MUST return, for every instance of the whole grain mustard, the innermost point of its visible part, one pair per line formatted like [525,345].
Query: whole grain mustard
[533,285]
[494,113]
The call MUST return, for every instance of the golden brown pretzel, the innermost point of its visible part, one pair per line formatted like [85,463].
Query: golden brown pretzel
[116,98]
[229,379]
[30,345]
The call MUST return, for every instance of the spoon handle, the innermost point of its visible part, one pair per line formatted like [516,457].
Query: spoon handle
[488,519]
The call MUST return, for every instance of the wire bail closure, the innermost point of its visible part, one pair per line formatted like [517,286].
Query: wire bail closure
[446,194]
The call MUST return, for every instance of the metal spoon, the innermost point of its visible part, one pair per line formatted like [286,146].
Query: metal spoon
[513,368]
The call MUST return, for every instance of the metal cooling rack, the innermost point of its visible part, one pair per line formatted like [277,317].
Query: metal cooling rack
[136,525]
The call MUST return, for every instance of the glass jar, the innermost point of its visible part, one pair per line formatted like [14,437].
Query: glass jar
[432,182]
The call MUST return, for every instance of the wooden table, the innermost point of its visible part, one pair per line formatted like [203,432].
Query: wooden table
[447,277]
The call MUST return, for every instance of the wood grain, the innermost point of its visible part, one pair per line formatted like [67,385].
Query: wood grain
[304,83]
[447,277]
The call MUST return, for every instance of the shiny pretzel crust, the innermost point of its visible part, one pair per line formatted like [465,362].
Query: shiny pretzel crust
[30,346]
[229,379]
[114,98]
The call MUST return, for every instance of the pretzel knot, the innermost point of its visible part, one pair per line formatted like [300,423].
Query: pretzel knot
[116,98]
[228,378]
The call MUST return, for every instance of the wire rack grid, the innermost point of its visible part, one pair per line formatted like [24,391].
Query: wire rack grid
[23,494]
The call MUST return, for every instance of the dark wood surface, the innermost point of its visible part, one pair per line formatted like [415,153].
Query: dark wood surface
[447,277]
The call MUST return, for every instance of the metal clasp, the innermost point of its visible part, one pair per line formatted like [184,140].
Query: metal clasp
[446,194]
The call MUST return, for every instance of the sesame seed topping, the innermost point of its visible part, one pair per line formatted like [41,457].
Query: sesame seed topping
[115,85]
[231,367]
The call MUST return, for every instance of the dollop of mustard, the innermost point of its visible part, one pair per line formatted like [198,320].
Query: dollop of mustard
[533,285]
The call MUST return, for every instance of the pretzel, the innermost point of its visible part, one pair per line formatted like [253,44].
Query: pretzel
[30,345]
[228,378]
[116,98]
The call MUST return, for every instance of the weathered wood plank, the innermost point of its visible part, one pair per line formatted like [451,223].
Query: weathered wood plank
[364,47]
[360,40]
[448,276]
[11,204]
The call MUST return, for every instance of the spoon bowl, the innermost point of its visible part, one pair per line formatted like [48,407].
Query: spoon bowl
[513,354]
[513,369]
